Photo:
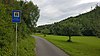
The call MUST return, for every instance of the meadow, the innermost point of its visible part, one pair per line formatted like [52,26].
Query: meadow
[80,45]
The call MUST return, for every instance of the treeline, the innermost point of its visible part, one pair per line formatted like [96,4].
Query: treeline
[29,17]
[87,24]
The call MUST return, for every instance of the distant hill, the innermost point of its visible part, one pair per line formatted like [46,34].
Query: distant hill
[88,23]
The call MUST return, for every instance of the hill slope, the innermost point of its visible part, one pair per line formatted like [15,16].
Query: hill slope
[83,24]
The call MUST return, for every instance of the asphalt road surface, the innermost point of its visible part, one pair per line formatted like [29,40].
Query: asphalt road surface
[45,48]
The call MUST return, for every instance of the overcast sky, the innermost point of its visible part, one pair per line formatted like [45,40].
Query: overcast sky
[56,10]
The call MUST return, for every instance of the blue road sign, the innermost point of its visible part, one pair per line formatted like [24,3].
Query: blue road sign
[16,16]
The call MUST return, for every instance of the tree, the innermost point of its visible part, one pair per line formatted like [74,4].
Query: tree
[71,29]
[45,31]
[30,14]
[96,22]
[7,29]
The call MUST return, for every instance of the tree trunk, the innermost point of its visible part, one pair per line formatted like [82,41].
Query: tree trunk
[44,35]
[69,40]
[98,35]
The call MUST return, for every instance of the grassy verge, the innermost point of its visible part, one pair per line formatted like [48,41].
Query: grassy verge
[26,47]
[81,45]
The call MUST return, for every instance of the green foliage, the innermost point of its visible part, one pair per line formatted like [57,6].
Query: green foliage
[25,28]
[30,14]
[96,22]
[70,29]
[45,31]
[26,47]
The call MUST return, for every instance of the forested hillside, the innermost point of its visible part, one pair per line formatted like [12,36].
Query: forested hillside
[29,17]
[87,24]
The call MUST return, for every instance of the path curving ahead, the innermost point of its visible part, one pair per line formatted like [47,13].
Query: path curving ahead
[45,48]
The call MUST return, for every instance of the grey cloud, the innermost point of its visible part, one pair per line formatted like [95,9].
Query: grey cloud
[55,10]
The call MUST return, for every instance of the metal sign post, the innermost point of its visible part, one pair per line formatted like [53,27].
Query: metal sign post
[16,41]
[16,15]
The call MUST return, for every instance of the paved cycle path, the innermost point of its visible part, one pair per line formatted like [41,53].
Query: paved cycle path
[45,48]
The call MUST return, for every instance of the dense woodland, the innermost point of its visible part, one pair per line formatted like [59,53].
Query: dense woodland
[86,24]
[29,17]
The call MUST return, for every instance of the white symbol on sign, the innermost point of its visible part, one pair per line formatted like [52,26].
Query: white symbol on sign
[16,14]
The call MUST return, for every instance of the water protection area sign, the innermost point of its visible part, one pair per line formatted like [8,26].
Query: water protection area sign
[16,15]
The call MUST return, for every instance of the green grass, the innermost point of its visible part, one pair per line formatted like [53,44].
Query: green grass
[81,45]
[26,47]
